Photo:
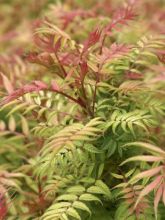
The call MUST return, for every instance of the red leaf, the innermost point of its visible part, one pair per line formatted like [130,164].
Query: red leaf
[68,17]
[3,207]
[122,16]
[131,75]
[84,69]
[33,87]
[31,57]
[93,38]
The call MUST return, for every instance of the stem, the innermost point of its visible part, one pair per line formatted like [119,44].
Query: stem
[94,97]
[80,101]
[85,97]
[61,66]
[95,90]
[102,44]
[70,97]
[97,74]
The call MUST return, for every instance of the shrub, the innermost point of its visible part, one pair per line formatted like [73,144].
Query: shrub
[82,111]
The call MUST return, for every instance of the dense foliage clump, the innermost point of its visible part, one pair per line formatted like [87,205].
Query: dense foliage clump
[82,110]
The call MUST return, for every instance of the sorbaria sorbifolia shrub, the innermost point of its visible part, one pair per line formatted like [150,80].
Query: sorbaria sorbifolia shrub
[82,110]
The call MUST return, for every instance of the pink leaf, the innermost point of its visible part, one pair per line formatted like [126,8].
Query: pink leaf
[43,58]
[157,198]
[144,158]
[128,195]
[47,43]
[7,84]
[70,58]
[149,188]
[70,73]
[33,87]
[68,17]
[8,36]
[131,75]
[31,57]
[41,85]
[55,86]
[148,173]
[122,16]
[116,50]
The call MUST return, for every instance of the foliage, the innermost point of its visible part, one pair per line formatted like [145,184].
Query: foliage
[82,110]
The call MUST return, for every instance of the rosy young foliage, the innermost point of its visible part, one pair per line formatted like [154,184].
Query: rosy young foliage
[93,38]
[115,51]
[35,86]
[158,173]
[68,17]
[63,122]
[122,16]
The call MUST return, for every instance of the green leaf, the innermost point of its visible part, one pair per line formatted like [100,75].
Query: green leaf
[76,189]
[117,176]
[72,212]
[67,197]
[30,108]
[122,212]
[95,189]
[25,126]
[92,149]
[104,187]
[12,124]
[18,107]
[59,205]
[89,197]
[100,170]
[64,217]
[82,206]
[147,146]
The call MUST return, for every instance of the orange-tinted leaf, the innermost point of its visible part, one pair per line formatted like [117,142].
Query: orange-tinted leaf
[148,173]
[149,188]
